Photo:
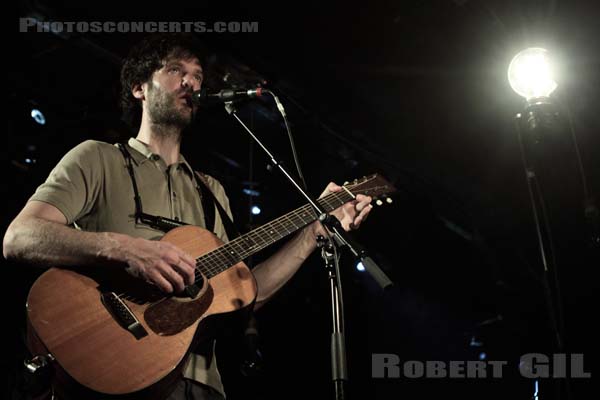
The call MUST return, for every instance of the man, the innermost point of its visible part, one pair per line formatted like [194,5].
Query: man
[93,187]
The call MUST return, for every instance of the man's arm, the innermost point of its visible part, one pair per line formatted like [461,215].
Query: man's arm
[39,236]
[274,272]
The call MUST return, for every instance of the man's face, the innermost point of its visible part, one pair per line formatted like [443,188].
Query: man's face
[169,92]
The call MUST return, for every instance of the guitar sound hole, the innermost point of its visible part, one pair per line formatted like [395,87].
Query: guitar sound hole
[191,291]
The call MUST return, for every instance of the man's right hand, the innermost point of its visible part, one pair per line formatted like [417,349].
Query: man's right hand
[160,263]
[39,236]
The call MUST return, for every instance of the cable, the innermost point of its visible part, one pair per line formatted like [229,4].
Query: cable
[577,152]
[289,132]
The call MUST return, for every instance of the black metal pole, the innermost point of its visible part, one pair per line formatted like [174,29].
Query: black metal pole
[339,372]
[538,115]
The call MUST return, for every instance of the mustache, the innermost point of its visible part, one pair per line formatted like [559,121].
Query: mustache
[184,93]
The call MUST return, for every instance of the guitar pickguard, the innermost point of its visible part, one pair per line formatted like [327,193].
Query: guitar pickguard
[172,315]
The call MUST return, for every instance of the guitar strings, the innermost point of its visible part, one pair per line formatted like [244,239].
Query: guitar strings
[266,230]
[216,261]
[222,260]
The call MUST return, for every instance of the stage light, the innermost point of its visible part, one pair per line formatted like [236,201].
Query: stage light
[38,116]
[360,267]
[255,210]
[251,192]
[530,74]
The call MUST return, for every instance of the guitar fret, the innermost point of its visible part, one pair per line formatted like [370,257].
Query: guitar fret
[257,236]
[239,249]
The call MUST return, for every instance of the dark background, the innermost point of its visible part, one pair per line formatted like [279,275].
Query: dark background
[414,90]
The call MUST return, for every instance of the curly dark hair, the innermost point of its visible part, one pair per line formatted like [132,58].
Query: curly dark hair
[147,57]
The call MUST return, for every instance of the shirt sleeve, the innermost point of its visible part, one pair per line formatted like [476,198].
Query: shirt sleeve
[73,186]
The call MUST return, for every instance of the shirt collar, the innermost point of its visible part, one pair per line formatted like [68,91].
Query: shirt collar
[142,153]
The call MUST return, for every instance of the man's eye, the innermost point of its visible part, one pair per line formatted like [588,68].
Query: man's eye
[174,69]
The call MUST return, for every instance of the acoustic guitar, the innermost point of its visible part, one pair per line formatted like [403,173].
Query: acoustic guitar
[112,335]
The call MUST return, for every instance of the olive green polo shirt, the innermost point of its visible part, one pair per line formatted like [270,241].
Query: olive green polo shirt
[92,187]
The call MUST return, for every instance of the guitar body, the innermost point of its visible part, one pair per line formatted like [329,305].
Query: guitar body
[97,356]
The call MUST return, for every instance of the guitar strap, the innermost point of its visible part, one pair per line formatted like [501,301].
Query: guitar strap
[228,224]
[209,203]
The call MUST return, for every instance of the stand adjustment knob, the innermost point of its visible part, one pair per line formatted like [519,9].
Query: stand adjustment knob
[37,363]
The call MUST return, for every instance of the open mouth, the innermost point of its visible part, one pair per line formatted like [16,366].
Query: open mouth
[187,100]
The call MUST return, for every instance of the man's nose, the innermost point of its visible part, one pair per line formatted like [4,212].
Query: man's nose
[190,83]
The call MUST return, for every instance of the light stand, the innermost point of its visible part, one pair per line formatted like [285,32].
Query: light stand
[538,114]
[530,75]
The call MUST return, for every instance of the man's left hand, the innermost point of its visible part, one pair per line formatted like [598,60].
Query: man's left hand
[351,214]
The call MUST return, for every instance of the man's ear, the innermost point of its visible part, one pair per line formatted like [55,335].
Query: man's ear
[139,91]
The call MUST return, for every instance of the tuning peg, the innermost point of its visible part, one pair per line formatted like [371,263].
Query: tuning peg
[345,183]
[379,202]
[389,200]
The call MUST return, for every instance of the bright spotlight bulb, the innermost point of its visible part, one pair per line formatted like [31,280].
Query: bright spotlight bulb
[530,74]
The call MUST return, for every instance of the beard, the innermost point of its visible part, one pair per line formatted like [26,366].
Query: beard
[166,109]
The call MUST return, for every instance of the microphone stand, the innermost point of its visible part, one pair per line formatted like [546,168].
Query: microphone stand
[329,254]
[326,219]
[339,372]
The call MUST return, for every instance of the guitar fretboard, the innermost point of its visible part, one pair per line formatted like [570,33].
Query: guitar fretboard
[231,253]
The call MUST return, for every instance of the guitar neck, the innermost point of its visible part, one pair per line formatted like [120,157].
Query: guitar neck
[231,253]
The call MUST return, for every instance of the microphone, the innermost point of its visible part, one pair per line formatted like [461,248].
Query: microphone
[205,97]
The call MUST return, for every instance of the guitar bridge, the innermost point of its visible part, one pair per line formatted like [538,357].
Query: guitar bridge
[123,314]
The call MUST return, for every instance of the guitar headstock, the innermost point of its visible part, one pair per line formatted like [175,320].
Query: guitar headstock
[373,185]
